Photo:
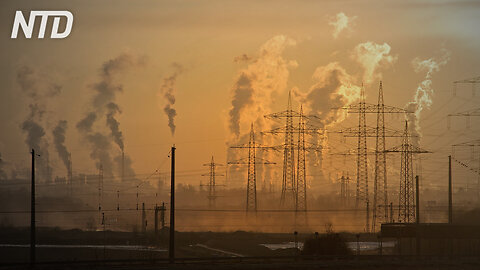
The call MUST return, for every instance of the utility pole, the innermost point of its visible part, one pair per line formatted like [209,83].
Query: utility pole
[144,219]
[450,210]
[418,243]
[417,198]
[32,213]
[70,175]
[171,249]
[156,220]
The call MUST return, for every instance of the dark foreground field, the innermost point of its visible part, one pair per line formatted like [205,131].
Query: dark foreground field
[76,249]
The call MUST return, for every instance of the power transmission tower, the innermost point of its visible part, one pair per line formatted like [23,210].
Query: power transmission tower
[252,171]
[70,175]
[467,114]
[301,196]
[212,193]
[380,132]
[472,145]
[291,196]
[362,161]
[472,81]
[380,194]
[406,200]
[288,174]
[344,189]
[100,187]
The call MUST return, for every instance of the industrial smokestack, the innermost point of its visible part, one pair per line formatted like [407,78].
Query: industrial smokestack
[123,166]
[59,142]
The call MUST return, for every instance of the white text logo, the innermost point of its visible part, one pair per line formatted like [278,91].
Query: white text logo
[27,28]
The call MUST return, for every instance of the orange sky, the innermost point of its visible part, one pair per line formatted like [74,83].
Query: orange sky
[205,37]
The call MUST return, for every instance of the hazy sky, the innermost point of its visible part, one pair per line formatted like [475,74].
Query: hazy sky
[204,38]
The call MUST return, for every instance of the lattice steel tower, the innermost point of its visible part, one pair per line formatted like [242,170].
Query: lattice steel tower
[288,175]
[252,171]
[406,199]
[362,166]
[361,133]
[252,174]
[301,196]
[380,195]
[212,193]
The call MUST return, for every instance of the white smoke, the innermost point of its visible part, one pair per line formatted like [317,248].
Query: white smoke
[371,56]
[424,93]
[340,23]
[167,90]
[254,86]
[334,88]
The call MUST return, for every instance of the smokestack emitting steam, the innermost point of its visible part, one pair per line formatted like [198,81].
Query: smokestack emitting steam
[168,91]
[38,88]
[341,22]
[371,56]
[114,125]
[59,142]
[423,97]
[104,106]
[253,89]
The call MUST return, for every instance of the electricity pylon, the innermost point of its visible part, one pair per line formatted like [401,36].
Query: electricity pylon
[467,114]
[288,174]
[100,187]
[301,196]
[472,145]
[406,200]
[252,175]
[212,193]
[293,180]
[344,189]
[472,81]
[379,132]
[380,194]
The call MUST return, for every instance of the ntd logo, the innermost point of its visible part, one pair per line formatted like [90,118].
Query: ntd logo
[27,28]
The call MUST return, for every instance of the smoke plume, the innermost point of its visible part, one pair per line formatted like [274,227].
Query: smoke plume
[254,86]
[114,125]
[341,22]
[59,142]
[38,88]
[371,56]
[334,88]
[423,97]
[103,106]
[167,89]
